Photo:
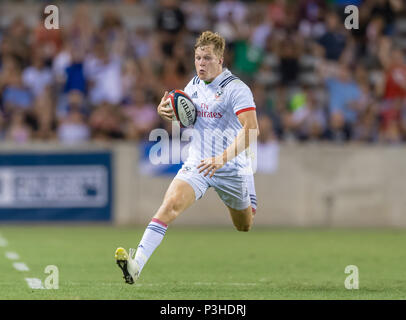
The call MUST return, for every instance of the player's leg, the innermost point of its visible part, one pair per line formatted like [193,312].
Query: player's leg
[179,196]
[242,219]
[238,194]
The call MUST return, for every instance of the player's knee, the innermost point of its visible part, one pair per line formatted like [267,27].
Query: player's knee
[171,207]
[243,227]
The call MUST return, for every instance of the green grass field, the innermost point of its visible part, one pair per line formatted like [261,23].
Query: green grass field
[201,263]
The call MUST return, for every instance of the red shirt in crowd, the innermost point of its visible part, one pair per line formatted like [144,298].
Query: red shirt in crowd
[395,82]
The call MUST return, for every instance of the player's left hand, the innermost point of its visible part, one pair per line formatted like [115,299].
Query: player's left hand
[211,165]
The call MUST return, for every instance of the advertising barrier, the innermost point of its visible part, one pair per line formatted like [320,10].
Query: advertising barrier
[56,186]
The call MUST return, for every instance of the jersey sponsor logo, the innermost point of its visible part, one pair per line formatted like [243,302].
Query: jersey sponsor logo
[194,95]
[209,114]
[205,113]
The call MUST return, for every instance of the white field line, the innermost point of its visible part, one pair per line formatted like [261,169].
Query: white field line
[34,283]
[20,266]
[12,255]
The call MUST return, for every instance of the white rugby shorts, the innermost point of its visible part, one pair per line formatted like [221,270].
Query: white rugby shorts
[236,191]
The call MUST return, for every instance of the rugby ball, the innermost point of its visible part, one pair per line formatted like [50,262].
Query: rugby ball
[183,108]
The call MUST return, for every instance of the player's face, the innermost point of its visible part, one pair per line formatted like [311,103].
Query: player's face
[208,64]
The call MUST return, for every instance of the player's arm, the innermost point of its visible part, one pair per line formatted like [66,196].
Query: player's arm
[164,108]
[248,132]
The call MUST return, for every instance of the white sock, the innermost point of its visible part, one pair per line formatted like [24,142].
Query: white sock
[151,239]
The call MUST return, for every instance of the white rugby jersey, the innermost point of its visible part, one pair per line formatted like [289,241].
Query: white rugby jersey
[217,106]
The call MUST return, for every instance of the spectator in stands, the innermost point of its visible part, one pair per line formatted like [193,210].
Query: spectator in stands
[73,129]
[263,102]
[50,41]
[279,114]
[103,72]
[308,118]
[37,77]
[262,29]
[43,119]
[366,127]
[277,13]
[111,26]
[394,93]
[75,100]
[18,130]
[247,57]
[74,73]
[390,129]
[141,42]
[343,104]
[289,52]
[387,9]
[15,95]
[129,78]
[170,22]
[105,122]
[335,39]
[230,9]
[311,18]
[80,32]
[197,15]
[141,115]
[175,71]
[17,36]
[395,74]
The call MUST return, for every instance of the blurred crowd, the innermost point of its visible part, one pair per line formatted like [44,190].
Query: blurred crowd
[312,79]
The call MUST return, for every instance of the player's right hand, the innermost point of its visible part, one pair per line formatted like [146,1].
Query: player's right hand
[164,109]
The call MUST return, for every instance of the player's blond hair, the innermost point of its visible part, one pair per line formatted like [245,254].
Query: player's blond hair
[214,38]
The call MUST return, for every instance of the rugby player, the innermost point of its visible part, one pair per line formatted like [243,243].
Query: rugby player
[225,108]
